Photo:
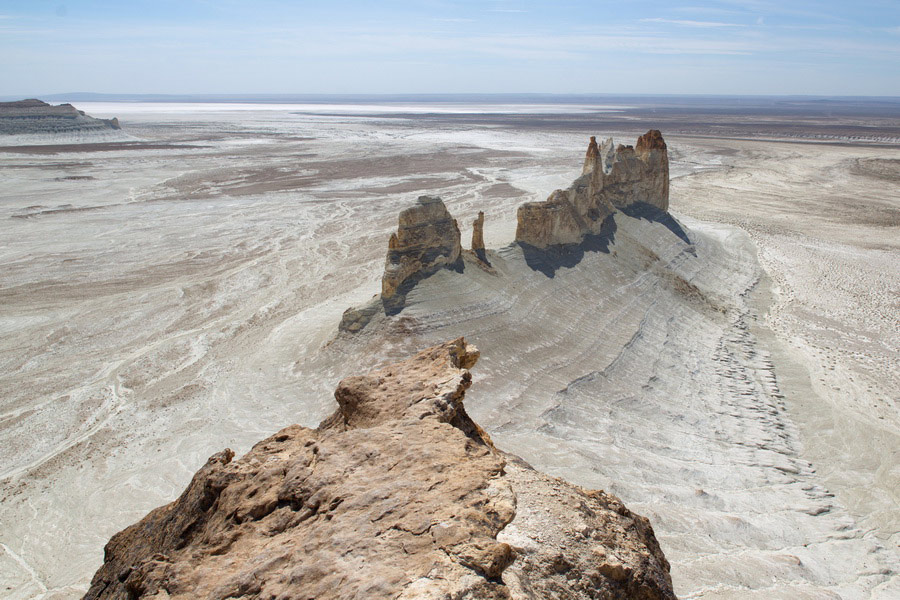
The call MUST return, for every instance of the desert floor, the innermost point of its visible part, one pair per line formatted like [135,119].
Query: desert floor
[175,292]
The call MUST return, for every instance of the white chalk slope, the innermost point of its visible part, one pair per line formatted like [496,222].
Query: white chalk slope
[637,370]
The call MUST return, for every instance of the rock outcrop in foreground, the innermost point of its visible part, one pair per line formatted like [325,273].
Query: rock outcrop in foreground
[37,117]
[398,494]
[612,178]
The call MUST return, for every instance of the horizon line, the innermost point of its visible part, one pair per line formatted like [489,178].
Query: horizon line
[264,97]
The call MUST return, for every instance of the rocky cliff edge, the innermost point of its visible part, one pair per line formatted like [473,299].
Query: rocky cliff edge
[398,494]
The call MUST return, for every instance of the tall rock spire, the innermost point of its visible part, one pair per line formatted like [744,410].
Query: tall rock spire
[613,177]
[590,159]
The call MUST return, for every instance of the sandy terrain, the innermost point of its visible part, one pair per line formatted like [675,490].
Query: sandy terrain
[835,275]
[737,387]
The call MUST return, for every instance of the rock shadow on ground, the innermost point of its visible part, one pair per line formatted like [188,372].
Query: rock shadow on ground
[549,260]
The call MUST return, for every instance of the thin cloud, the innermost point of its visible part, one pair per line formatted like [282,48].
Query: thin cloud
[544,47]
[689,23]
[709,10]
[778,7]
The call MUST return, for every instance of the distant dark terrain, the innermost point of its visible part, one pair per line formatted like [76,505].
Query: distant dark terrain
[37,117]
[844,119]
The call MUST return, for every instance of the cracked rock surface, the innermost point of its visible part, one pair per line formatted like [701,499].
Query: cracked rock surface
[398,494]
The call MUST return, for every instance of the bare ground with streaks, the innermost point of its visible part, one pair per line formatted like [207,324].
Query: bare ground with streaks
[162,304]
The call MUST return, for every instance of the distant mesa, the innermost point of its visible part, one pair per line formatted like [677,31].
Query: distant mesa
[398,494]
[632,179]
[37,117]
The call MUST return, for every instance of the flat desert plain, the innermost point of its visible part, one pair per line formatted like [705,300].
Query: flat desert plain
[732,374]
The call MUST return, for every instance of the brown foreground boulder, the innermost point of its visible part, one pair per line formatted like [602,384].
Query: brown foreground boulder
[398,494]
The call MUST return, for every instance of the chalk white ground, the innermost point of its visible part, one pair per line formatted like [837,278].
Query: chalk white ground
[159,305]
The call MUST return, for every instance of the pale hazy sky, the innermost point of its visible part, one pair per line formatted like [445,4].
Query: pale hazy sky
[830,47]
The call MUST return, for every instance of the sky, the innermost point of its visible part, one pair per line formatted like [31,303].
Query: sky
[827,47]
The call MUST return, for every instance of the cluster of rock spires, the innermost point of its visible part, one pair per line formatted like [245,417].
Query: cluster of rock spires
[398,494]
[37,117]
[612,178]
[428,237]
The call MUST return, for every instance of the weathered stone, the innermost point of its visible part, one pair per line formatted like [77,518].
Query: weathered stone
[652,140]
[576,543]
[398,494]
[612,178]
[554,221]
[355,319]
[652,150]
[478,233]
[590,157]
[478,248]
[427,239]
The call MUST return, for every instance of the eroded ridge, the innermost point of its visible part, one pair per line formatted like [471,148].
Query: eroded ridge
[398,494]
[428,239]
[613,177]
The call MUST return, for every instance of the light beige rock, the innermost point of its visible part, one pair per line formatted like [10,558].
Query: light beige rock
[398,494]
[571,542]
[551,222]
[427,239]
[612,178]
[590,157]
[478,233]
[651,149]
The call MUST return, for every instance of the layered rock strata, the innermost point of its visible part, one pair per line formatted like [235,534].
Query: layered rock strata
[427,239]
[398,494]
[37,117]
[613,177]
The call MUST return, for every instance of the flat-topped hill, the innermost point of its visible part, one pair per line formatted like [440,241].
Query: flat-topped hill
[34,116]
